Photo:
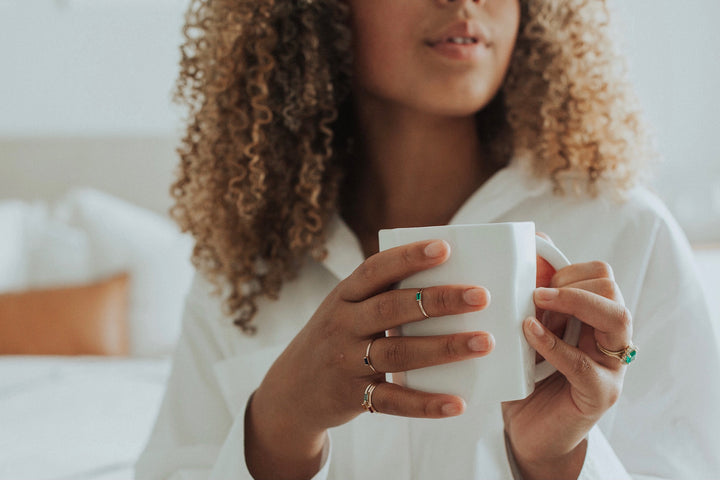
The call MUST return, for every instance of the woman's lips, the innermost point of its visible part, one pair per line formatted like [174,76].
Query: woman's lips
[460,51]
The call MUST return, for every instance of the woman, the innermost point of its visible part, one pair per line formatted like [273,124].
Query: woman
[314,124]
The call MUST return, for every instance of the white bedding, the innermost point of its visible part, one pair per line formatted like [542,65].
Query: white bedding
[76,418]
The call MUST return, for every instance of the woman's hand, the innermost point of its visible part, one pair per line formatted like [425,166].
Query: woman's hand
[319,380]
[548,430]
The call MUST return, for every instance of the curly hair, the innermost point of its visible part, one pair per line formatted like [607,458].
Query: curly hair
[270,127]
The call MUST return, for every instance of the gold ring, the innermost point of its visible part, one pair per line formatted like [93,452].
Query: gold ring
[626,354]
[418,299]
[366,358]
[367,397]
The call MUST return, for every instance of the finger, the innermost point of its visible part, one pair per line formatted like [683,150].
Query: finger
[544,272]
[398,307]
[611,320]
[399,354]
[555,322]
[582,271]
[393,399]
[384,268]
[605,287]
[595,385]
[545,236]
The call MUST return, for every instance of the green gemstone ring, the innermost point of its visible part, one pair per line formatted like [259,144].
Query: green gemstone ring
[418,299]
[625,355]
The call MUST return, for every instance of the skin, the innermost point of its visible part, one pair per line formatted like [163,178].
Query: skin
[422,159]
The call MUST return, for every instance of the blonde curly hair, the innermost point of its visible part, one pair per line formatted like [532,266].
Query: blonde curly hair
[269,130]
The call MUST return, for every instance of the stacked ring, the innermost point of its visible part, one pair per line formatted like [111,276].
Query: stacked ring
[367,398]
[626,354]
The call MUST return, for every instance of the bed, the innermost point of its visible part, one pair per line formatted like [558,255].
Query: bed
[86,251]
[76,418]
[84,415]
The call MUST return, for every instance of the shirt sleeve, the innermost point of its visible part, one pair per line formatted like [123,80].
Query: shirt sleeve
[666,423]
[601,462]
[199,430]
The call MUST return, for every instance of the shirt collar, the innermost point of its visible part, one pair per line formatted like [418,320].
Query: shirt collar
[504,190]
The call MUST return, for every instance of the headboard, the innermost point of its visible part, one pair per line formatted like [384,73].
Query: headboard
[136,169]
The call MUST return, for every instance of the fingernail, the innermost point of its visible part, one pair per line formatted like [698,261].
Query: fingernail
[546,294]
[481,343]
[451,409]
[535,328]
[476,296]
[436,249]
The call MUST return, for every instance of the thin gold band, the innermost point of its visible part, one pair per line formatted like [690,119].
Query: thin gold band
[366,358]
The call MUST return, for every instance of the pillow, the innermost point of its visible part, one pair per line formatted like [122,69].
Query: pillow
[90,319]
[126,237]
[37,250]
[55,253]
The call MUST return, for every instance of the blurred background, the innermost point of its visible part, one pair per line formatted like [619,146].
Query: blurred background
[87,139]
[89,78]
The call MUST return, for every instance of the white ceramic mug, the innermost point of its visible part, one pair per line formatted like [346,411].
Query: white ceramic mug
[502,258]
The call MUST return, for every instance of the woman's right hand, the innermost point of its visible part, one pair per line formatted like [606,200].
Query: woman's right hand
[319,380]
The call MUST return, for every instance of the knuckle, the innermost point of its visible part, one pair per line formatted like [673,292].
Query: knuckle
[396,355]
[582,365]
[607,288]
[428,409]
[625,318]
[451,348]
[331,331]
[339,293]
[552,343]
[367,271]
[443,301]
[603,269]
[384,306]
[407,257]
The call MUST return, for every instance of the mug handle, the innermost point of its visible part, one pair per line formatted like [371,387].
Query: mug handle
[558,260]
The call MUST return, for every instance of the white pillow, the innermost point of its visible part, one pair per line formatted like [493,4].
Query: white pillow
[123,236]
[56,254]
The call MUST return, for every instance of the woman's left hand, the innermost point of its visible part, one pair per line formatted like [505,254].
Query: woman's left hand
[548,429]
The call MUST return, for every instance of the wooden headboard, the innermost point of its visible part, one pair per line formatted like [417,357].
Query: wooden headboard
[137,169]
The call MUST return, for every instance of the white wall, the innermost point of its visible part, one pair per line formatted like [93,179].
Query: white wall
[102,68]
[673,51]
[89,67]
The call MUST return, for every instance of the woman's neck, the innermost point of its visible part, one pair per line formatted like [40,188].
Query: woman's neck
[416,170]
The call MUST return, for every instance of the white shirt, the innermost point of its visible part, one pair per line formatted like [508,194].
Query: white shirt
[666,423]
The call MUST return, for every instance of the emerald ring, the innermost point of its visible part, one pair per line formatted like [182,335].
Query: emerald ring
[625,355]
[418,299]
